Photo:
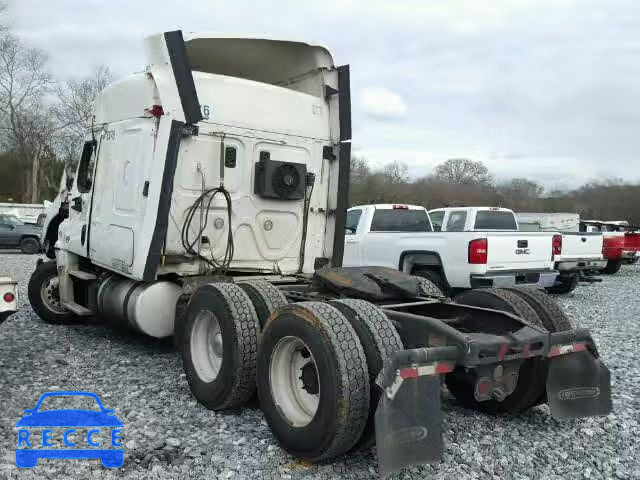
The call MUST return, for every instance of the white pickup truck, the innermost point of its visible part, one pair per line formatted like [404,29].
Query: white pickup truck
[575,254]
[402,237]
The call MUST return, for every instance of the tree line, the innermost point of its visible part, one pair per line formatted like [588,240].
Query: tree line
[43,120]
[464,182]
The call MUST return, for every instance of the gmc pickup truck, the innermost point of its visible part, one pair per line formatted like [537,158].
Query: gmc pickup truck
[575,255]
[402,237]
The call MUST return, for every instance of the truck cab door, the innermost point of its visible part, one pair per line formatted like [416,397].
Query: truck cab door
[73,232]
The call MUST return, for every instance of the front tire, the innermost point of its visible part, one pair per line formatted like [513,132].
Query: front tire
[218,344]
[29,245]
[313,380]
[44,296]
[564,285]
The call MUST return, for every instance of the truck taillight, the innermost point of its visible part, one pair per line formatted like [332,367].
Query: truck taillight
[478,250]
[9,297]
[556,245]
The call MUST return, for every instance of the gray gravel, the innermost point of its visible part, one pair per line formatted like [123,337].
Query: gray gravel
[167,434]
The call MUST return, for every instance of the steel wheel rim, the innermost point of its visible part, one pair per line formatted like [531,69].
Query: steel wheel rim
[206,346]
[290,356]
[50,295]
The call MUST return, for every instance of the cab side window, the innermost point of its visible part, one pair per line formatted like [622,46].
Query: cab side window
[436,220]
[456,221]
[353,218]
[86,167]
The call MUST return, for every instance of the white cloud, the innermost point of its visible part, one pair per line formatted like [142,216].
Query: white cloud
[382,104]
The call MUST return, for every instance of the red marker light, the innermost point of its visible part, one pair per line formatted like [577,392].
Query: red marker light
[9,297]
[155,111]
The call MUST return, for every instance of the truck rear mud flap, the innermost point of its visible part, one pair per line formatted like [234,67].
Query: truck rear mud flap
[578,383]
[409,416]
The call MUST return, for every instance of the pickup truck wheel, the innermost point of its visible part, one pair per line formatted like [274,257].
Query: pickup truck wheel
[431,283]
[218,344]
[266,298]
[613,266]
[44,296]
[533,373]
[29,245]
[564,285]
[313,380]
[379,339]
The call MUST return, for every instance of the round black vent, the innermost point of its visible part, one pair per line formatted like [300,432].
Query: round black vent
[285,180]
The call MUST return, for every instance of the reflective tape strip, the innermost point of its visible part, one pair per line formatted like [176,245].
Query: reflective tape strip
[564,349]
[415,372]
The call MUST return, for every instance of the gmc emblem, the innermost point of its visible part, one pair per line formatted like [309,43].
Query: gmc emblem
[522,251]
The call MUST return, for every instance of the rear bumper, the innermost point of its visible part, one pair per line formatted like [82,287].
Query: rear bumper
[630,254]
[542,279]
[580,264]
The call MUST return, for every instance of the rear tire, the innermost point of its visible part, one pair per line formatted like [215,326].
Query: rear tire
[44,296]
[564,285]
[379,339]
[552,316]
[430,283]
[313,380]
[29,245]
[218,344]
[613,266]
[266,298]
[533,373]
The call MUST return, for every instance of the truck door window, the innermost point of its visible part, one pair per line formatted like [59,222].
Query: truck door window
[456,221]
[353,218]
[400,220]
[495,220]
[436,220]
[87,164]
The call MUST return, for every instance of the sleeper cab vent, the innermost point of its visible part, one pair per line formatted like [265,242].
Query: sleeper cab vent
[282,180]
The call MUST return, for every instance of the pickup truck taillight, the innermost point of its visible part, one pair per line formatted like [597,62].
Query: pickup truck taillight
[478,250]
[556,245]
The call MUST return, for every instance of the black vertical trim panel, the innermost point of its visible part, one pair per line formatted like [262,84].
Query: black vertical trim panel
[183,75]
[344,97]
[344,166]
[164,203]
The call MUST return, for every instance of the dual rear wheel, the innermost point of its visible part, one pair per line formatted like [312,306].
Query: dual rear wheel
[313,364]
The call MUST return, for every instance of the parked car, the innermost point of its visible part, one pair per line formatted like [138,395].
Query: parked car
[402,237]
[8,298]
[574,255]
[579,255]
[14,233]
[621,242]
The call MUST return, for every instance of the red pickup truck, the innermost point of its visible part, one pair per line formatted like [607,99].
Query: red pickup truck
[620,243]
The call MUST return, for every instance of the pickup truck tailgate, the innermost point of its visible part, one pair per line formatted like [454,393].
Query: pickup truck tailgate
[581,245]
[518,250]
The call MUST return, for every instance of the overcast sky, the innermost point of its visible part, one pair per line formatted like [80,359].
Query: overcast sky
[545,89]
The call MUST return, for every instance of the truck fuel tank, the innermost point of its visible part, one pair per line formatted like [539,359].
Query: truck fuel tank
[146,307]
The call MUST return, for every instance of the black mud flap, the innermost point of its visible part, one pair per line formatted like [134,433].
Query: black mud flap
[409,425]
[578,385]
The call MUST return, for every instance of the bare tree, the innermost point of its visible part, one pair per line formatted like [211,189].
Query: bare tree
[395,173]
[521,194]
[25,126]
[461,171]
[74,110]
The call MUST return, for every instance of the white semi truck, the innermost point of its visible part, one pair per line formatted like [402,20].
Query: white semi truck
[210,204]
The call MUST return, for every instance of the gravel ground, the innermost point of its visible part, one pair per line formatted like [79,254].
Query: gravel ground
[167,434]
